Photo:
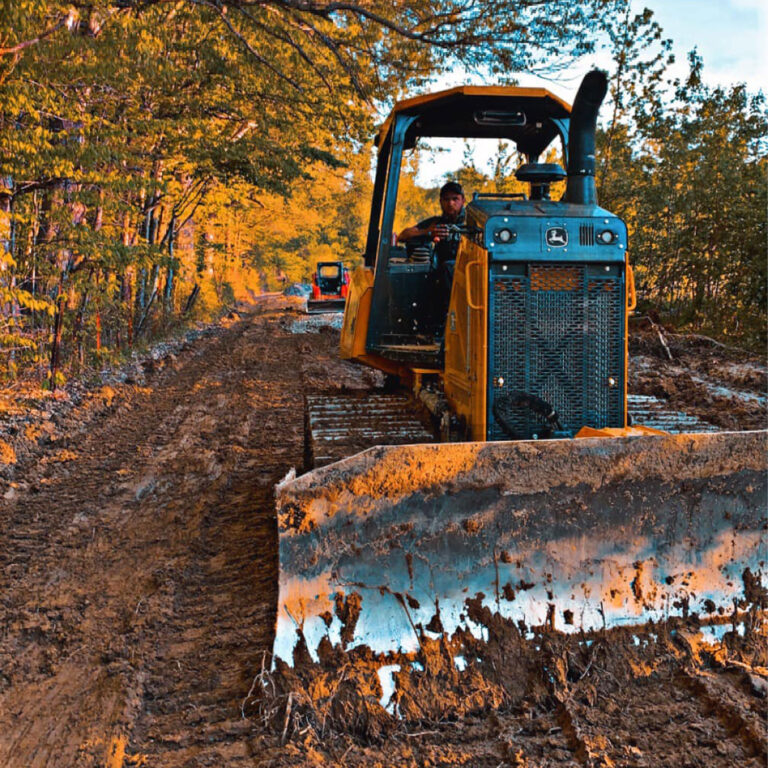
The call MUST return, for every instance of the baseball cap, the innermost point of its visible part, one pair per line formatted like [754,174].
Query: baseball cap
[451,188]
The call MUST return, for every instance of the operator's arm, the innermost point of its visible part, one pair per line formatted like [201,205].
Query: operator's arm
[410,232]
[428,228]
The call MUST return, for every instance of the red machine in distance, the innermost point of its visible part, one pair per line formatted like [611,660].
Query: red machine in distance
[330,284]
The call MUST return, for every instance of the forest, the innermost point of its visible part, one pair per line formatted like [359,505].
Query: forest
[161,159]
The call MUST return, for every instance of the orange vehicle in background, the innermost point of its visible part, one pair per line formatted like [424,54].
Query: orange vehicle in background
[330,284]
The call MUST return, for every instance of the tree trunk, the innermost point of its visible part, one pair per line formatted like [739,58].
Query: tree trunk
[192,298]
[152,296]
[78,331]
[168,292]
[58,325]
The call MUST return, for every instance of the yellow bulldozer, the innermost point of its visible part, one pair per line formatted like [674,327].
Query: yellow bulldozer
[504,472]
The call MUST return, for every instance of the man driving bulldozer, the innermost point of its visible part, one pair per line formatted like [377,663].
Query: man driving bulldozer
[438,228]
[443,231]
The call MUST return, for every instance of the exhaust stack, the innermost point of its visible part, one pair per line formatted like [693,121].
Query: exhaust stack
[580,188]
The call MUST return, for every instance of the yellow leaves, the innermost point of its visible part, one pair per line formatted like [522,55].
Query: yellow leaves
[33,432]
[107,394]
[27,300]
[59,457]
[14,340]
[7,453]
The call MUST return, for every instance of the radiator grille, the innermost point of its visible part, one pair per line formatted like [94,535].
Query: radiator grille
[557,333]
[586,234]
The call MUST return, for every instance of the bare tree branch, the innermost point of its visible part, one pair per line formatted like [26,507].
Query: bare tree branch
[336,51]
[286,38]
[66,20]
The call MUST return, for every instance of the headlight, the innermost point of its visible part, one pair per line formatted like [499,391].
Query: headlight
[606,237]
[504,235]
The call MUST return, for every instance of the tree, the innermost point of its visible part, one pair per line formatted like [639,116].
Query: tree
[139,135]
[691,184]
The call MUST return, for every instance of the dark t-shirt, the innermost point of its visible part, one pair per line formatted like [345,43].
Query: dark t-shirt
[446,248]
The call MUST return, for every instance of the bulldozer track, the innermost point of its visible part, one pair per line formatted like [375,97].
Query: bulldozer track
[341,425]
[652,412]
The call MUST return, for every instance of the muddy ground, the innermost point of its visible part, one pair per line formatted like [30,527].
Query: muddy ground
[138,573]
[721,385]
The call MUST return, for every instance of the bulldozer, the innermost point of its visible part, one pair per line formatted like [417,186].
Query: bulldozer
[525,488]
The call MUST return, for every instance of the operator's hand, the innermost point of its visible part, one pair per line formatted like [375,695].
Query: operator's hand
[438,231]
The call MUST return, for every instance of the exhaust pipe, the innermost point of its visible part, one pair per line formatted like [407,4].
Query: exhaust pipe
[580,188]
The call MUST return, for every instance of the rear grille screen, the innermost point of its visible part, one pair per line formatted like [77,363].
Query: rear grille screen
[557,332]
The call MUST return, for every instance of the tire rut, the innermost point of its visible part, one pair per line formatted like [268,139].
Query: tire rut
[682,718]
[139,579]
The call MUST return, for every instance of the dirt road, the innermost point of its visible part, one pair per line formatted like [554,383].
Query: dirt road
[138,587]
[139,562]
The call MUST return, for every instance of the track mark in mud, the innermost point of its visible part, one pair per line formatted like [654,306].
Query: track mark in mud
[589,749]
[659,708]
[139,577]
[735,711]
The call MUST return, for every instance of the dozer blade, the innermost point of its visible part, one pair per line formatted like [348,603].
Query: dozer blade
[321,306]
[573,534]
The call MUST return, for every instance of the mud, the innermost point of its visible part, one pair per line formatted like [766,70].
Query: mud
[657,696]
[721,385]
[138,576]
[138,584]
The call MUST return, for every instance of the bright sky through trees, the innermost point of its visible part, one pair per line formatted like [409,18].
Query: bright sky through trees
[729,35]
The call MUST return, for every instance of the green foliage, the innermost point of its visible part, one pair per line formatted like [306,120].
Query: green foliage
[689,179]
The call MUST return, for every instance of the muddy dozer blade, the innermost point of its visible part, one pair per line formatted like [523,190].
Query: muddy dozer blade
[320,306]
[403,540]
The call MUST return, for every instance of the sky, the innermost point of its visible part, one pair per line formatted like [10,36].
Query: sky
[731,36]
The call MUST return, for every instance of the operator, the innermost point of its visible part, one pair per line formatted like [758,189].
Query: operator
[436,228]
[441,230]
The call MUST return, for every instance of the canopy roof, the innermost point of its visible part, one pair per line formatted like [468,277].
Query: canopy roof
[518,114]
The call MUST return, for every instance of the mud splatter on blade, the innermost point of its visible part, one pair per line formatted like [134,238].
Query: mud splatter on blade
[399,541]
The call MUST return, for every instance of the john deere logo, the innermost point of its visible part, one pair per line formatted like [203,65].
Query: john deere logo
[557,237]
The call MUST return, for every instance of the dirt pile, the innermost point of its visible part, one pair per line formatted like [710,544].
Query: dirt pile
[34,420]
[699,376]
